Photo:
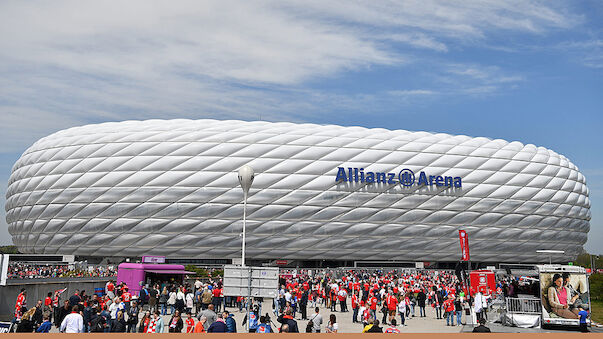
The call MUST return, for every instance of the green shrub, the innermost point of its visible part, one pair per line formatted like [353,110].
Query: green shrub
[596,287]
[201,272]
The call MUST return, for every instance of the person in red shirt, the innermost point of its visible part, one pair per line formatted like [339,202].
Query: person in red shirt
[448,307]
[190,323]
[392,305]
[126,297]
[373,306]
[48,302]
[21,302]
[355,307]
[216,292]
[110,289]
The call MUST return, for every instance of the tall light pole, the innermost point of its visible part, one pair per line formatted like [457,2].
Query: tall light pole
[246,176]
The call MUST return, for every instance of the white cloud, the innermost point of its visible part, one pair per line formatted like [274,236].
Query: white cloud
[412,92]
[587,52]
[66,63]
[419,40]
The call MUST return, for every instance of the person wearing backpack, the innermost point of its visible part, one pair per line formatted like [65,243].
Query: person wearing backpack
[98,323]
[315,322]
[144,297]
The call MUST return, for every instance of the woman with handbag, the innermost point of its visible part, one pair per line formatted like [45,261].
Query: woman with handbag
[176,324]
[143,326]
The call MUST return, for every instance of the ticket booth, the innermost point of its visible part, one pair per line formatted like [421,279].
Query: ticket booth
[137,275]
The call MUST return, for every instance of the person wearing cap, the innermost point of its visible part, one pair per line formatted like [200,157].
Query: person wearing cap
[583,314]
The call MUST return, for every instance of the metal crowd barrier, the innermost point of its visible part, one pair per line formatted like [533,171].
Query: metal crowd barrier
[523,305]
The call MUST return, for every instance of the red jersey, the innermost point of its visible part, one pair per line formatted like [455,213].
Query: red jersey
[448,305]
[373,303]
[190,325]
[126,296]
[392,302]
[354,301]
[48,301]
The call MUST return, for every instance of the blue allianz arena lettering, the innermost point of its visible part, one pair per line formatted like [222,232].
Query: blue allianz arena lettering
[405,177]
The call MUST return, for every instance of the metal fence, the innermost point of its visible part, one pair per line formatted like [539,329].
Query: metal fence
[523,305]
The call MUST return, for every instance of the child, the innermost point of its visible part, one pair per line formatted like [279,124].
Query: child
[583,314]
[263,326]
[46,325]
[190,322]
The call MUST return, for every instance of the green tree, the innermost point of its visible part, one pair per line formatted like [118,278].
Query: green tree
[12,249]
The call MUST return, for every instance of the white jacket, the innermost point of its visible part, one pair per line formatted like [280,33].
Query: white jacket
[72,323]
[402,306]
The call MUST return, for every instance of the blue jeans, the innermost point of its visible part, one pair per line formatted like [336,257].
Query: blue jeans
[450,319]
[412,309]
[458,317]
[355,315]
[163,309]
[401,316]
[422,311]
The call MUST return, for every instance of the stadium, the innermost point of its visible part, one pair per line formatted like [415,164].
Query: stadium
[321,192]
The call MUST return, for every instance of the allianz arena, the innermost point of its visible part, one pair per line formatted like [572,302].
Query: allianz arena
[321,192]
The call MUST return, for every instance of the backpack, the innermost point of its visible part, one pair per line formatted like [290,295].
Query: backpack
[97,324]
[310,325]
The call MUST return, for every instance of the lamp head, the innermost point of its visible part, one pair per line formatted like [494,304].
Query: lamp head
[246,176]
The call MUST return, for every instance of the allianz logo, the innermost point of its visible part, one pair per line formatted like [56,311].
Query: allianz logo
[405,177]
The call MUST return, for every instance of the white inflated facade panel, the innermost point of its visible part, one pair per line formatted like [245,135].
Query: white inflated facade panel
[170,188]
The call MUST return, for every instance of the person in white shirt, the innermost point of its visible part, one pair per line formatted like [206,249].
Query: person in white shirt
[478,304]
[115,307]
[190,298]
[402,310]
[288,296]
[332,326]
[73,322]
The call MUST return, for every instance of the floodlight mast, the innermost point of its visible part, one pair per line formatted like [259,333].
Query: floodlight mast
[246,177]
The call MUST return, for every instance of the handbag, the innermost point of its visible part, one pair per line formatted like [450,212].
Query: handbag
[310,325]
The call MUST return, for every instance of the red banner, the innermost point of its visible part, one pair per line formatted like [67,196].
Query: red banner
[464,238]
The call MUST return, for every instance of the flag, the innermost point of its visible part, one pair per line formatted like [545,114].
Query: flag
[464,238]
[59,292]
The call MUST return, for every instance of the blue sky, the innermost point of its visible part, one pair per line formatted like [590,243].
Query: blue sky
[529,71]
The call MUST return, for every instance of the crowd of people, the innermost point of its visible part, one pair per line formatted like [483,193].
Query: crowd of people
[32,271]
[376,301]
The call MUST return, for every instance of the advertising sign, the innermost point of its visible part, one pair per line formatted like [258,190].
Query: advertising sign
[464,239]
[483,281]
[4,327]
[153,259]
[564,292]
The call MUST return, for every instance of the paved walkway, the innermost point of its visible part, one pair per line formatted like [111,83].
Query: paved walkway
[428,324]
